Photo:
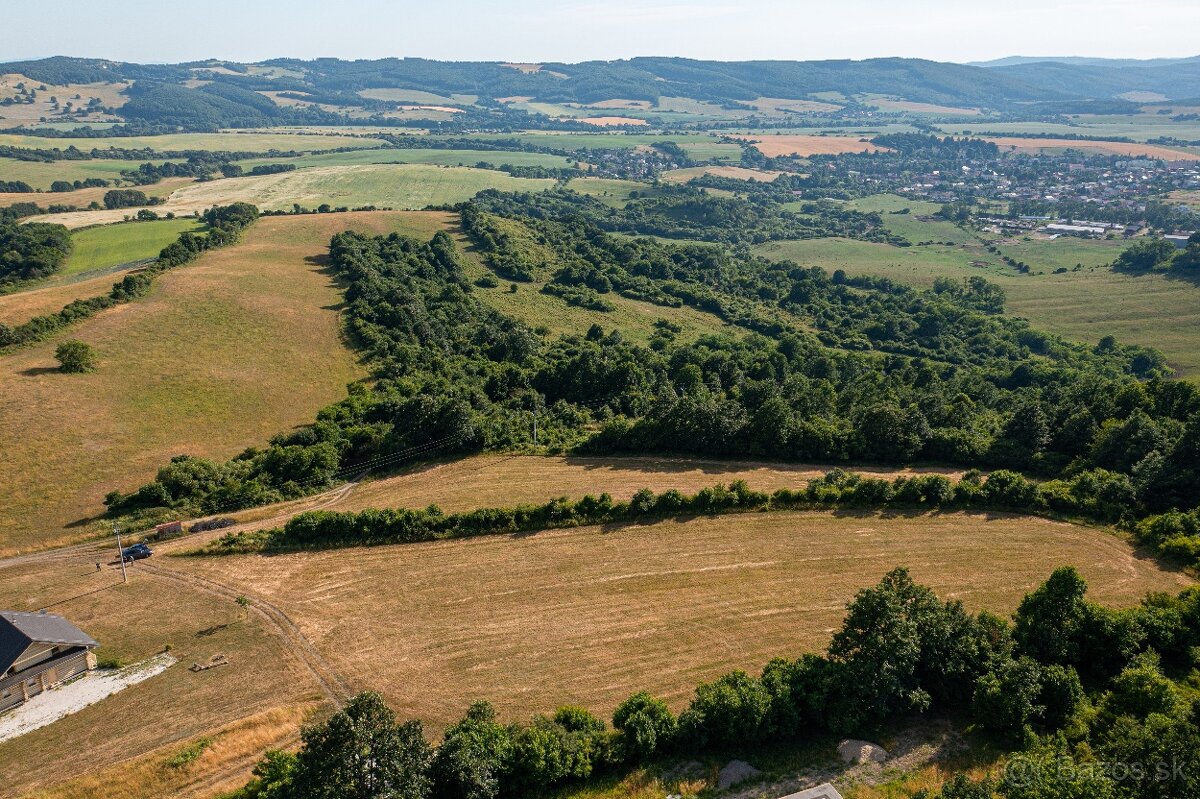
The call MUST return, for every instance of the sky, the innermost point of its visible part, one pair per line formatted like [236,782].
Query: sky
[571,30]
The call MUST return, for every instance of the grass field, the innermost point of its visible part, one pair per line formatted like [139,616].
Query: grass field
[249,141]
[1104,147]
[40,174]
[253,326]
[110,245]
[584,616]
[587,616]
[401,186]
[421,156]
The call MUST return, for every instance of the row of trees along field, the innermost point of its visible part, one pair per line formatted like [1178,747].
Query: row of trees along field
[224,225]
[1070,683]
[817,367]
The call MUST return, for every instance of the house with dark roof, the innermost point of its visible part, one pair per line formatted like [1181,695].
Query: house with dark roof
[37,652]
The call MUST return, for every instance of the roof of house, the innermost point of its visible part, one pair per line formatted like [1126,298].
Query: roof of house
[18,630]
[825,791]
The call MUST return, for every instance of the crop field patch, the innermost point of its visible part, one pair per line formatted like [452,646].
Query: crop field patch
[774,145]
[421,156]
[1132,149]
[110,245]
[398,186]
[252,326]
[587,616]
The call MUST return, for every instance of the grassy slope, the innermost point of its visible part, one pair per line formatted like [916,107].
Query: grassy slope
[222,355]
[82,198]
[1084,305]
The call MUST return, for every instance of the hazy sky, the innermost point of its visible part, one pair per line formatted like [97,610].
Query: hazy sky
[571,30]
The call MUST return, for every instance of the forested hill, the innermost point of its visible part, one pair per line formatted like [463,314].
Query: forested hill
[649,78]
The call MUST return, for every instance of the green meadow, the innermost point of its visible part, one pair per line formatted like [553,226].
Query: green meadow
[111,245]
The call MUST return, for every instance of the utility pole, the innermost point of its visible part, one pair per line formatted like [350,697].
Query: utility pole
[120,552]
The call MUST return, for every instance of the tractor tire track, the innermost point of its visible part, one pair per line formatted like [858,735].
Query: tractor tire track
[331,683]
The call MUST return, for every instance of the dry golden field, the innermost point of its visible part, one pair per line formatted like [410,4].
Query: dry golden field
[253,326]
[735,172]
[587,616]
[1132,149]
[504,480]
[530,621]
[774,145]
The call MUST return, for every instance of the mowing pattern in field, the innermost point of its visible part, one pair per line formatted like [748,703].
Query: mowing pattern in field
[222,355]
[398,186]
[587,616]
[134,622]
[500,480]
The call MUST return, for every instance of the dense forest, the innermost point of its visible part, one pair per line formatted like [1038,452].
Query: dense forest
[1077,685]
[30,252]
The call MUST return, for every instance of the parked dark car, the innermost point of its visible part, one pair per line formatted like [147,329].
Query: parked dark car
[136,552]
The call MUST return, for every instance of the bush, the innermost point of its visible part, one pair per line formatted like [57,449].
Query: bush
[76,357]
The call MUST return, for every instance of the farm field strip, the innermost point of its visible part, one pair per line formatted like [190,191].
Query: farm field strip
[400,186]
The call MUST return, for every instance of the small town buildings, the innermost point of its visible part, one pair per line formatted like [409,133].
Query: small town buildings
[37,652]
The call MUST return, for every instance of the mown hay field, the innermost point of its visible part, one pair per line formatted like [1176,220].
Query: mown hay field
[259,697]
[504,480]
[734,172]
[773,145]
[399,186]
[248,141]
[589,615]
[223,354]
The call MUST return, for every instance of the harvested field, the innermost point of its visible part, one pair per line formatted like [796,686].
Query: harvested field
[588,616]
[773,146]
[734,172]
[252,140]
[387,185]
[134,622]
[249,326]
[780,105]
[1107,147]
[607,122]
[82,198]
[501,480]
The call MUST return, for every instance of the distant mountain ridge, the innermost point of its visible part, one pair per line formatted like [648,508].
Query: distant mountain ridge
[230,93]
